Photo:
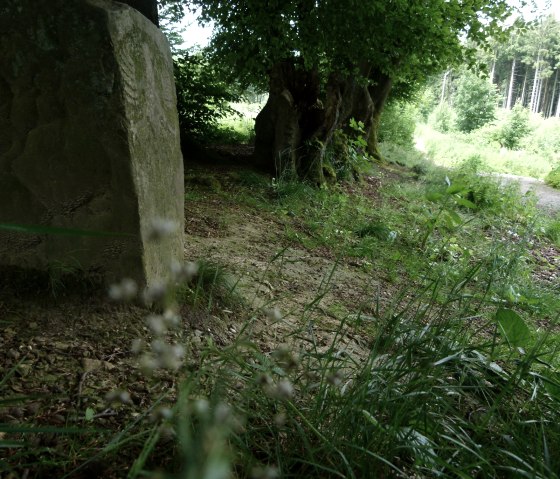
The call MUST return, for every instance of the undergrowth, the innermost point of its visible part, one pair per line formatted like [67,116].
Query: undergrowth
[456,378]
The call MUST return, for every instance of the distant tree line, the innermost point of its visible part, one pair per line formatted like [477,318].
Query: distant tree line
[524,70]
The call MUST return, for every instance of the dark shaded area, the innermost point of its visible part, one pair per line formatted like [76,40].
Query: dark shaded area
[30,284]
[148,8]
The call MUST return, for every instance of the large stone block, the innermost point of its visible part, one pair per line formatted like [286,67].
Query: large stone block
[89,138]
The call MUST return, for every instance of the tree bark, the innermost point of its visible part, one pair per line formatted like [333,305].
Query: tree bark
[295,128]
[552,95]
[558,103]
[534,91]
[511,83]
[492,70]
[379,93]
[443,85]
[289,122]
[524,90]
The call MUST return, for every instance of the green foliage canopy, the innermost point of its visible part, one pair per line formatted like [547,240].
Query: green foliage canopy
[407,40]
[203,96]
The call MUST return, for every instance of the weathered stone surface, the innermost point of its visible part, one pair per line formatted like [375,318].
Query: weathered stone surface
[89,137]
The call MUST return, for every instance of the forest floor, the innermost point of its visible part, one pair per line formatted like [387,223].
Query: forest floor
[64,348]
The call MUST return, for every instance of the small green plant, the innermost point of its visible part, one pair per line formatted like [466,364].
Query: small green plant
[446,215]
[347,158]
[553,178]
[552,231]
[378,230]
[209,286]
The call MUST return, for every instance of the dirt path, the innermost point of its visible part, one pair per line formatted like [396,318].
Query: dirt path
[547,197]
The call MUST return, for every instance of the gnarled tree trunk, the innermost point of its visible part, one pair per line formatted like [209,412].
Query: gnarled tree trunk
[290,118]
[295,128]
[379,92]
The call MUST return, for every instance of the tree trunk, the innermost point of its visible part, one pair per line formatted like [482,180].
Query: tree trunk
[524,90]
[289,122]
[295,128]
[148,8]
[558,104]
[492,70]
[552,96]
[543,97]
[443,85]
[511,84]
[534,91]
[379,93]
[539,95]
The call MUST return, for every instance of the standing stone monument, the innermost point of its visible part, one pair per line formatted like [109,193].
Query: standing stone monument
[89,139]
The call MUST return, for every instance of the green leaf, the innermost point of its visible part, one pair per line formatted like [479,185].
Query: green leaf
[11,444]
[90,413]
[466,203]
[433,196]
[448,221]
[513,327]
[552,383]
[455,188]
[455,217]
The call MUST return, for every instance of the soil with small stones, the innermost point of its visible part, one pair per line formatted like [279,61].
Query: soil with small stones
[63,349]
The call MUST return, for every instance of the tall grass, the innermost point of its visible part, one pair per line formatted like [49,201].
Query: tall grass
[449,380]
[452,149]
[434,397]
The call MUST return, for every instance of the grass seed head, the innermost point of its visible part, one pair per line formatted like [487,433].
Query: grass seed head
[267,472]
[156,324]
[155,293]
[274,315]
[281,390]
[126,290]
[160,228]
[184,272]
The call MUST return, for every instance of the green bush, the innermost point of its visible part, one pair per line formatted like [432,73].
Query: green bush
[553,178]
[428,100]
[203,96]
[514,128]
[474,101]
[398,123]
[443,118]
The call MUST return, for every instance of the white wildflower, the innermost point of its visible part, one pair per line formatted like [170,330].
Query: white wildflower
[136,346]
[274,314]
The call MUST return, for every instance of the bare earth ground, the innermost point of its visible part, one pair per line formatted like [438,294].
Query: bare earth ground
[65,352]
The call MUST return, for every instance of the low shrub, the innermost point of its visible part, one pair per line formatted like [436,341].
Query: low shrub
[398,123]
[553,178]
